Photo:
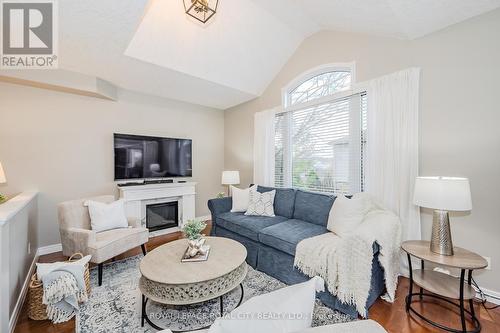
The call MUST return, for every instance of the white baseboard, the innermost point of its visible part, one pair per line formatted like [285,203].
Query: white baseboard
[204,218]
[49,249]
[490,294]
[22,295]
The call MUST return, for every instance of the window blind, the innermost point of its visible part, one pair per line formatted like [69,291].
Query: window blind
[321,148]
[279,150]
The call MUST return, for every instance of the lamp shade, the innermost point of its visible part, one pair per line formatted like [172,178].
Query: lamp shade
[230,177]
[443,193]
[2,175]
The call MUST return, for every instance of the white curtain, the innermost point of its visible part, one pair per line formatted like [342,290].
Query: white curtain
[392,145]
[263,148]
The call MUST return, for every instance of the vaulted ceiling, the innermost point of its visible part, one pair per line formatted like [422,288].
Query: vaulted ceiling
[154,48]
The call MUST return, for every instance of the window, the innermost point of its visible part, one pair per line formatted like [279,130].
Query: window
[319,86]
[320,137]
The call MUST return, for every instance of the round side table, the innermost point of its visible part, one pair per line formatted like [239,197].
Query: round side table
[443,286]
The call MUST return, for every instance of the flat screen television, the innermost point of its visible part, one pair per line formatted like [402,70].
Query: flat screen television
[147,157]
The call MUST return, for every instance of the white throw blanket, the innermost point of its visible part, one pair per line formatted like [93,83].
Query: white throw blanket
[346,263]
[63,288]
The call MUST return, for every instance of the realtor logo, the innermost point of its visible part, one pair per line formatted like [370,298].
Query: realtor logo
[29,34]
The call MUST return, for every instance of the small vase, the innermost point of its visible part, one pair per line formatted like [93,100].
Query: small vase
[195,246]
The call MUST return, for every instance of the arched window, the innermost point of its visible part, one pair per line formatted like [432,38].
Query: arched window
[320,85]
[320,141]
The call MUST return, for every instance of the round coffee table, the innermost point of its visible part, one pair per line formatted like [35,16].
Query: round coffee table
[167,280]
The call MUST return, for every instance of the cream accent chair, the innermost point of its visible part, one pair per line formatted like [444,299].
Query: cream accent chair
[77,235]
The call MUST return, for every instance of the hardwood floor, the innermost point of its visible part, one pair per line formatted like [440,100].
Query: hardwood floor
[392,317]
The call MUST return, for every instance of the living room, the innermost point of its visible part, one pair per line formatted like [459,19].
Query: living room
[361,124]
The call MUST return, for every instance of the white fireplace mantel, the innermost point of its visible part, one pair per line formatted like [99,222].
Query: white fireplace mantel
[136,198]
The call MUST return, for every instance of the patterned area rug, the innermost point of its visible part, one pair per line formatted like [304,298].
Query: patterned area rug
[116,305]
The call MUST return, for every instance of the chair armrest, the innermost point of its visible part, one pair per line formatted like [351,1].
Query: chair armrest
[134,222]
[77,240]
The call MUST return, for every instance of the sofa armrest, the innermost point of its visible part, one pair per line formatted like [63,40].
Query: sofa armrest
[77,240]
[219,206]
[134,222]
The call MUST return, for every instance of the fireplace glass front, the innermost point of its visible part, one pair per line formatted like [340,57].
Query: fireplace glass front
[162,215]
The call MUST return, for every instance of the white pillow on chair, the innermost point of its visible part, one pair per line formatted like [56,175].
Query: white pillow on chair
[285,310]
[105,216]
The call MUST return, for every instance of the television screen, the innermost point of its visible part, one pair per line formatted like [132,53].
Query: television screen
[151,157]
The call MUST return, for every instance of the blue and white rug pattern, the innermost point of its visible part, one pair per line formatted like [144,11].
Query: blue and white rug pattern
[116,305]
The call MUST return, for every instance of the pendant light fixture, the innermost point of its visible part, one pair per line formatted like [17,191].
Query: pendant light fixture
[202,10]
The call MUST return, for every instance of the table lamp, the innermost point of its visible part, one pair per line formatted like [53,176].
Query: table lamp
[230,178]
[2,180]
[443,194]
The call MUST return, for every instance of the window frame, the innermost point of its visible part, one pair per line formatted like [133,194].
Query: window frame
[288,109]
[309,74]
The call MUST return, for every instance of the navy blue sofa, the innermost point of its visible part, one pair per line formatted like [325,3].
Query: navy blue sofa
[271,241]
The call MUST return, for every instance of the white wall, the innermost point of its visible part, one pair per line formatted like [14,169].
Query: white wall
[459,114]
[18,244]
[62,144]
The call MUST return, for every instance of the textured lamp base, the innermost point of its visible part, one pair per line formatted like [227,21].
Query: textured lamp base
[441,242]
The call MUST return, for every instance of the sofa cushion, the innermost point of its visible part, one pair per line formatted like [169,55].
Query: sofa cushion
[286,235]
[284,200]
[248,226]
[313,207]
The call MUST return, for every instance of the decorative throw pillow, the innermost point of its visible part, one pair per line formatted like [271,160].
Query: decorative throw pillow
[346,215]
[285,310]
[107,216]
[241,198]
[261,204]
